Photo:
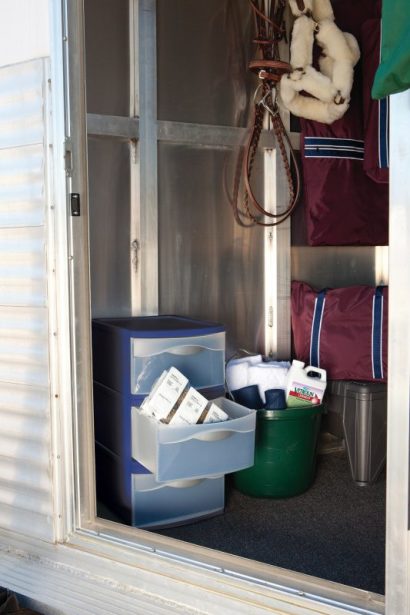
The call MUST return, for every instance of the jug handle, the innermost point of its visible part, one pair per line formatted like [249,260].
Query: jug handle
[317,370]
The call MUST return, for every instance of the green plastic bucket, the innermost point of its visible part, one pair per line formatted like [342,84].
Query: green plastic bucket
[285,453]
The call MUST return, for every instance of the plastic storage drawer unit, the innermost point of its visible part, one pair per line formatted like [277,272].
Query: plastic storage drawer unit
[130,353]
[193,451]
[163,504]
[357,412]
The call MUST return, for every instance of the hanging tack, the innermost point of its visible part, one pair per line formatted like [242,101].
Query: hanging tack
[322,9]
[270,30]
[329,87]
[301,46]
[301,7]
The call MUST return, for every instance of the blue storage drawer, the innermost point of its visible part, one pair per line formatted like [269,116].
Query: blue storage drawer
[194,451]
[112,420]
[129,354]
[200,358]
[113,478]
[164,504]
[139,500]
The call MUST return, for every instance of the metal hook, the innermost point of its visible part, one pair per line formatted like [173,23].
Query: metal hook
[262,101]
[272,108]
[256,93]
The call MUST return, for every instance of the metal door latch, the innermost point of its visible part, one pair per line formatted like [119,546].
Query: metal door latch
[75,203]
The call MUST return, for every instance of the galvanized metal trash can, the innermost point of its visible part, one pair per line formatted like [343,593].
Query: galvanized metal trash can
[357,412]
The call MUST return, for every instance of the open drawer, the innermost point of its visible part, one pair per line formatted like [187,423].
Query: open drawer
[194,451]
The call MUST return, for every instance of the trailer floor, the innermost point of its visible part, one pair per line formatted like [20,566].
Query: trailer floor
[336,530]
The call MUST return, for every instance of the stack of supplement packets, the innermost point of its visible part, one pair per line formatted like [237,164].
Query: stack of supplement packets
[172,400]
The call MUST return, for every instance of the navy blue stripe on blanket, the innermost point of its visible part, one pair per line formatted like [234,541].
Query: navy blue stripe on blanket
[377,333]
[317,328]
[333,142]
[334,153]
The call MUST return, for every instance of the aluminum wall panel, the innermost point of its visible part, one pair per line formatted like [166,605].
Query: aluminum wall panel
[110,227]
[204,47]
[107,56]
[25,30]
[26,497]
[24,362]
[21,105]
[22,186]
[25,322]
[210,267]
[23,272]
[335,266]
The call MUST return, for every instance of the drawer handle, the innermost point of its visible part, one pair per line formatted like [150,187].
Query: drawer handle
[214,436]
[185,350]
[208,436]
[186,483]
[141,353]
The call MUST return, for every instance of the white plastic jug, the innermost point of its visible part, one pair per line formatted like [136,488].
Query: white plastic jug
[305,385]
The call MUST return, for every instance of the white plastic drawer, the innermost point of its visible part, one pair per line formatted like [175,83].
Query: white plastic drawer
[200,358]
[165,504]
[193,451]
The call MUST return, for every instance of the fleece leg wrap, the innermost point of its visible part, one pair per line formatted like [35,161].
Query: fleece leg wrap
[329,88]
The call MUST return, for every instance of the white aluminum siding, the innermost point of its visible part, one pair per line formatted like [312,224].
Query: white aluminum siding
[24,30]
[25,467]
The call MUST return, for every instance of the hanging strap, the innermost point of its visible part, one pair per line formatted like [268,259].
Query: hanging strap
[270,30]
[318,311]
[377,333]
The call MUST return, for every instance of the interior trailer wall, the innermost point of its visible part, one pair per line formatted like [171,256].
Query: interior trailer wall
[208,266]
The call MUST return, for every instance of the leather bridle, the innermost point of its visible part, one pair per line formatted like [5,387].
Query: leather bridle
[270,30]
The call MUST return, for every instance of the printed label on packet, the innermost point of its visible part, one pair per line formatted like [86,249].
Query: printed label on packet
[174,402]
[165,394]
[195,409]
[190,409]
[302,393]
[215,414]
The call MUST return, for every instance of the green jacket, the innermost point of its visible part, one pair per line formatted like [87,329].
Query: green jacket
[393,74]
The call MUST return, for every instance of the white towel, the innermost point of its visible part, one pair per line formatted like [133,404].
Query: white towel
[251,358]
[272,375]
[236,372]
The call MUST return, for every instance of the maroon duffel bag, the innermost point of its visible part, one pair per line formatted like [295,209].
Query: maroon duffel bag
[342,330]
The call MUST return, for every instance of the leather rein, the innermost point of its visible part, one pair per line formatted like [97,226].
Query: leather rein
[270,30]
